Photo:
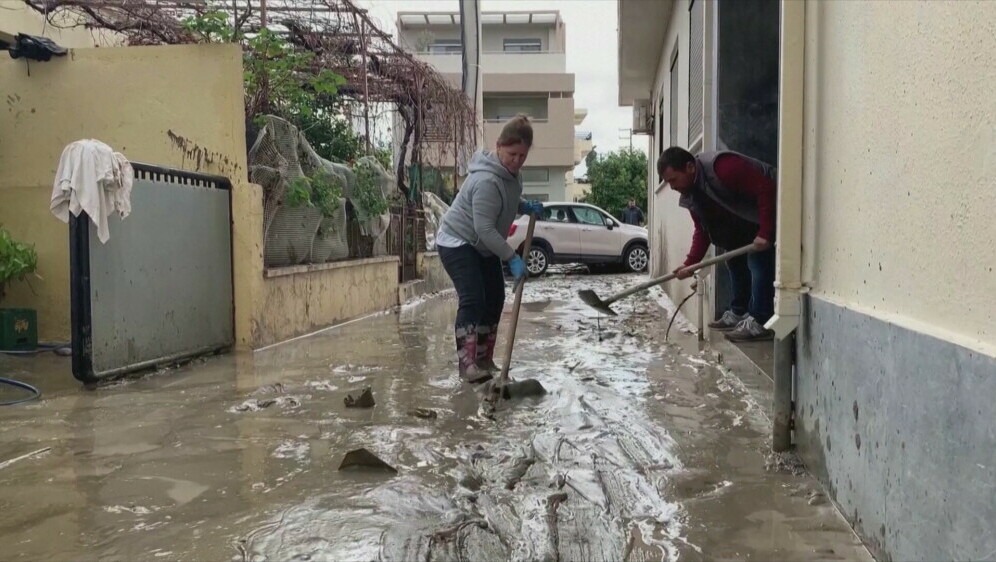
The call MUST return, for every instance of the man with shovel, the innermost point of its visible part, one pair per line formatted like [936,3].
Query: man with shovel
[731,198]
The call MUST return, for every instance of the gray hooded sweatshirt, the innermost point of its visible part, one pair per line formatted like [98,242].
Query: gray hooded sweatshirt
[485,207]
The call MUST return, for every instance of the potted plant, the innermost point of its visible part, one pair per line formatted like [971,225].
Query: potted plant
[18,326]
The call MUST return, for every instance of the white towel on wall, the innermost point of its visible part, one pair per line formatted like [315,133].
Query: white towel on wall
[92,177]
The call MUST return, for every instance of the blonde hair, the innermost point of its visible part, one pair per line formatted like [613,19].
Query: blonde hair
[516,130]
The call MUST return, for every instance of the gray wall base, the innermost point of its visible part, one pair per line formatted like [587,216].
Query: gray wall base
[901,428]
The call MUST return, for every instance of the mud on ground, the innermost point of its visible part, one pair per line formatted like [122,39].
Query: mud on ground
[641,451]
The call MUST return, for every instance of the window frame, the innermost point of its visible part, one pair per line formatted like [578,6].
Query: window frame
[577,216]
[521,42]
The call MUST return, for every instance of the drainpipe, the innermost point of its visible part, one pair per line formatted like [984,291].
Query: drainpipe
[788,276]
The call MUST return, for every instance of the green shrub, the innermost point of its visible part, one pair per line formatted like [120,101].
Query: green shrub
[17,260]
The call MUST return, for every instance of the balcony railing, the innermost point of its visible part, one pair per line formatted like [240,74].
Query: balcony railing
[503,119]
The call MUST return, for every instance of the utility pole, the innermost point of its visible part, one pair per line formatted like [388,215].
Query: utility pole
[623,133]
[470,32]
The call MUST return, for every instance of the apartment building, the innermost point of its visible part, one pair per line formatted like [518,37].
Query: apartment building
[524,70]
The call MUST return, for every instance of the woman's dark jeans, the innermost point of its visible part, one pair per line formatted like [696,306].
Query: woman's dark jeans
[479,283]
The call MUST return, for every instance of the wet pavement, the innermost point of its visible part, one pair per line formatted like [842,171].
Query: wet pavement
[642,450]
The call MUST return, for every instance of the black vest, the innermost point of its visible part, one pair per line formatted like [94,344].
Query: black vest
[724,234]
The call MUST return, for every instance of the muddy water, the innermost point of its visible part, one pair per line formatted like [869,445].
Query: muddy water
[641,451]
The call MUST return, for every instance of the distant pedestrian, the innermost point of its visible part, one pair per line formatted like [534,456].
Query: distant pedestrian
[471,244]
[633,214]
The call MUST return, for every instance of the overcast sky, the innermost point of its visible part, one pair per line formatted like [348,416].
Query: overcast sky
[591,55]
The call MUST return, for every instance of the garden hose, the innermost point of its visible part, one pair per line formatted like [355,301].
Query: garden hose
[35,393]
[57,348]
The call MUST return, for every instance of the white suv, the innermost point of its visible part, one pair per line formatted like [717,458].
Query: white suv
[580,233]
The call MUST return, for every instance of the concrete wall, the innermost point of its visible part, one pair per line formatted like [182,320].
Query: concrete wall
[432,278]
[896,369]
[901,155]
[172,106]
[300,300]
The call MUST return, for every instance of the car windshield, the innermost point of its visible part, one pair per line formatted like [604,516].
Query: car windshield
[587,215]
[556,214]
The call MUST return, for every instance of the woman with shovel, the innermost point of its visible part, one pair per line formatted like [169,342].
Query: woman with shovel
[471,244]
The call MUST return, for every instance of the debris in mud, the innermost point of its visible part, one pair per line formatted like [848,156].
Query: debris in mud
[817,498]
[255,404]
[787,462]
[359,459]
[451,532]
[526,388]
[424,413]
[360,398]
[276,388]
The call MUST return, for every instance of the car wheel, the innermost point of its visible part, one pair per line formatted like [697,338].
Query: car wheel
[637,259]
[537,261]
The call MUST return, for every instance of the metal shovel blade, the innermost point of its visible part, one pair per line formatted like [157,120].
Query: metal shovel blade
[591,299]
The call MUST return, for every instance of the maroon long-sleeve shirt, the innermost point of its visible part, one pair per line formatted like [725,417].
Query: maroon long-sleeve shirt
[737,175]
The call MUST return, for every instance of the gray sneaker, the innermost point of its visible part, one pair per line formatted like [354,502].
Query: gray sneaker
[750,330]
[727,322]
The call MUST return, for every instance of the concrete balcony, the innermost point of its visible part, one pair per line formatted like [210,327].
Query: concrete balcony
[541,62]
[501,62]
[445,63]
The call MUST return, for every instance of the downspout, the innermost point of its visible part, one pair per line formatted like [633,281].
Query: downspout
[788,276]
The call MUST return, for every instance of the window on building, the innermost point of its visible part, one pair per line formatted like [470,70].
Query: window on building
[536,197]
[445,46]
[696,69]
[523,45]
[502,108]
[535,175]
[587,215]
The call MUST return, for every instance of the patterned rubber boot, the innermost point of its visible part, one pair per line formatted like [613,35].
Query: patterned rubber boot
[487,338]
[466,344]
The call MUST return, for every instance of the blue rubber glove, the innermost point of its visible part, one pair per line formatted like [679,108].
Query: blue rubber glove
[517,267]
[531,207]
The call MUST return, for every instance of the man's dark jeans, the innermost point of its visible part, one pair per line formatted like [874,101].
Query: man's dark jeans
[479,283]
[753,279]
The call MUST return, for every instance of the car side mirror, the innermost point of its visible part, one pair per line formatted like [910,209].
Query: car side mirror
[610,224]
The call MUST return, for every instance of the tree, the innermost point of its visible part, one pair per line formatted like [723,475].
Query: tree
[616,178]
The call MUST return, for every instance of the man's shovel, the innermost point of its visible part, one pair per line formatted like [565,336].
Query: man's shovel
[591,299]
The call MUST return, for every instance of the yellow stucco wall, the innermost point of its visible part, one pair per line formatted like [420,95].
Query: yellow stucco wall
[901,159]
[173,106]
[296,301]
[16,17]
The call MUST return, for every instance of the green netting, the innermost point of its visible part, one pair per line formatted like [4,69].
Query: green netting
[435,208]
[305,217]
